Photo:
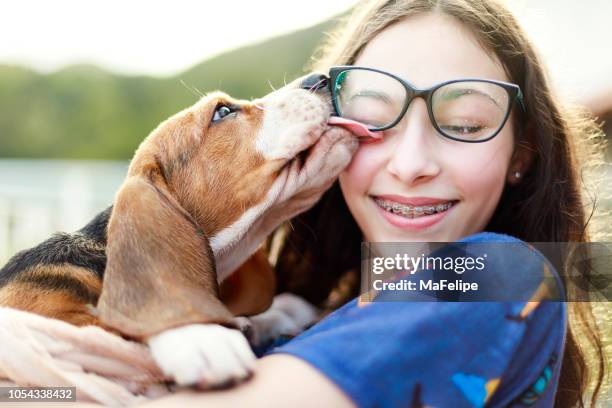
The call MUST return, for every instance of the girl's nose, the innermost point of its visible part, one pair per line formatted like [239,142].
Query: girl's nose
[413,157]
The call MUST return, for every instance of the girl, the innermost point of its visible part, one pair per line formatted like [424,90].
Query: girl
[512,170]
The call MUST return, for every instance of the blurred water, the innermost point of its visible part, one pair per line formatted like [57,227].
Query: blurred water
[39,197]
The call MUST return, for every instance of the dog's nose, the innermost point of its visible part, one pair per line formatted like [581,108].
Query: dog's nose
[314,82]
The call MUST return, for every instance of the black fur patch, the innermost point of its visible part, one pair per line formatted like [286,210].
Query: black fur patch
[96,229]
[85,248]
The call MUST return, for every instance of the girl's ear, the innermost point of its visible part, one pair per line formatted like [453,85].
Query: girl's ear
[524,153]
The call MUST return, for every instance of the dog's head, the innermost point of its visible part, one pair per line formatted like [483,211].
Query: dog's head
[220,157]
[195,196]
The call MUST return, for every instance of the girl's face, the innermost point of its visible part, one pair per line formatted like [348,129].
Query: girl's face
[413,163]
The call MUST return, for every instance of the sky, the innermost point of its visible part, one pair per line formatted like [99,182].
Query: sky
[161,38]
[145,37]
[575,41]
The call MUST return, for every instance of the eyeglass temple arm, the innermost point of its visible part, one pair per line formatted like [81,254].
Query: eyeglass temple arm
[519,96]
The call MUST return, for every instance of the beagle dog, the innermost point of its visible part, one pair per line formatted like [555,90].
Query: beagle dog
[176,258]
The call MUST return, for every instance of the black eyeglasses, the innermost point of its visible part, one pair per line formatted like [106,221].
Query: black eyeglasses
[467,110]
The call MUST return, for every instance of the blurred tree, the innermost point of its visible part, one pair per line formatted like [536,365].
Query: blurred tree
[85,112]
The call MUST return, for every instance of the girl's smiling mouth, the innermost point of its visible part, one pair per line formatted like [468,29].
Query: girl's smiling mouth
[413,213]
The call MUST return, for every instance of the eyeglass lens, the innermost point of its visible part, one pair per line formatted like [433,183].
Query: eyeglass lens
[466,110]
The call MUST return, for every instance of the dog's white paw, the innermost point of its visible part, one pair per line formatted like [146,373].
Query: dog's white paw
[289,314]
[207,355]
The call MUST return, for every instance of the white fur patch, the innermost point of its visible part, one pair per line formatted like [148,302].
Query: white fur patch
[208,355]
[293,121]
[229,235]
[226,239]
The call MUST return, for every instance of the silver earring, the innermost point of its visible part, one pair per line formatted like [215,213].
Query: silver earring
[517,174]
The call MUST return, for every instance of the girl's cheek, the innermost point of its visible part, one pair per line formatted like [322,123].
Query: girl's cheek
[362,169]
[482,171]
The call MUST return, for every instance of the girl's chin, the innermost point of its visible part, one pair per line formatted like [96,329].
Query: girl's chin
[385,236]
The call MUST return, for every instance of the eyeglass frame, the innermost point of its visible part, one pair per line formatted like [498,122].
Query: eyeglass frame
[514,93]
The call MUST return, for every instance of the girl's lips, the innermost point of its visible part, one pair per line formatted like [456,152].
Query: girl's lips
[414,201]
[412,224]
[357,128]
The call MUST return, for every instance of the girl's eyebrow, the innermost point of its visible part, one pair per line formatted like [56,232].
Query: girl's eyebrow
[372,93]
[457,92]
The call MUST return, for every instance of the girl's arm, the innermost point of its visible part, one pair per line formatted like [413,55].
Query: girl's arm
[280,380]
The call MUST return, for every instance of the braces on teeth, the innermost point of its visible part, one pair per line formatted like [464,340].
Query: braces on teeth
[414,211]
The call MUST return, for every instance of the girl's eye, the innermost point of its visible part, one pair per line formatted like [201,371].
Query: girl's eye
[222,111]
[461,130]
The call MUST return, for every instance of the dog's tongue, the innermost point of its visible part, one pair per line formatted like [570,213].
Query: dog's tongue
[358,129]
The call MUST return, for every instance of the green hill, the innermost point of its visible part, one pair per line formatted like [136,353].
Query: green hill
[85,112]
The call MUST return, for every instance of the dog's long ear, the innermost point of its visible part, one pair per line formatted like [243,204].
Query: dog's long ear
[160,270]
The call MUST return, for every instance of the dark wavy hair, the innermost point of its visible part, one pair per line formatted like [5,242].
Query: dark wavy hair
[317,254]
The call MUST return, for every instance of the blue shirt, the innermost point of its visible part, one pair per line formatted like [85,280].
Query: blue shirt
[443,354]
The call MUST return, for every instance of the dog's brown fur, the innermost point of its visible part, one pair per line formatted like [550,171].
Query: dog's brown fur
[160,270]
[26,293]
[203,190]
[202,193]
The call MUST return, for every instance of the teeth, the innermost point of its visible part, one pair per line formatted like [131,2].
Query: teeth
[410,211]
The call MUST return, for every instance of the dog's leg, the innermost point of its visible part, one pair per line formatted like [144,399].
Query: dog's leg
[206,355]
[289,314]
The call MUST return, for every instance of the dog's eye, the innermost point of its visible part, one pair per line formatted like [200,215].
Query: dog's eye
[222,111]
